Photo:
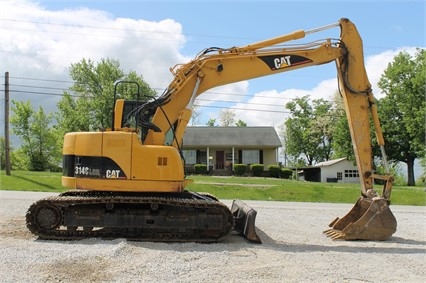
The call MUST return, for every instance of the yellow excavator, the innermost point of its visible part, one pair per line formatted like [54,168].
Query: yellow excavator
[129,181]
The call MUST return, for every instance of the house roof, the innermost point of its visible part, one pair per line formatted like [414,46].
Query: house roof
[231,136]
[329,162]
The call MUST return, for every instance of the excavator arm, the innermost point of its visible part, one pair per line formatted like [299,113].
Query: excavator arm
[371,217]
[216,66]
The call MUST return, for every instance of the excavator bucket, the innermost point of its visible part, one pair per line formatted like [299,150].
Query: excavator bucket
[244,220]
[369,219]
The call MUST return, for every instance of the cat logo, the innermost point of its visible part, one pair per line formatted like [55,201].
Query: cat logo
[113,174]
[283,61]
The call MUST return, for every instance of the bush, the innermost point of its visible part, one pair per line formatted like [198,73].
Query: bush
[286,173]
[256,169]
[274,171]
[55,168]
[240,169]
[200,169]
[38,162]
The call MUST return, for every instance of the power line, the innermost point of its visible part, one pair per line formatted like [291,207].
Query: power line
[111,28]
[35,92]
[244,109]
[199,105]
[85,26]
[40,79]
[90,34]
[248,103]
[17,91]
[260,110]
[42,87]
[158,89]
[199,99]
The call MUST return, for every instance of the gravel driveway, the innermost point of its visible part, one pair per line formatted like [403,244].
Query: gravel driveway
[293,250]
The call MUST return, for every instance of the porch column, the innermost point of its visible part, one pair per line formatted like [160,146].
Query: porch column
[277,156]
[233,160]
[208,159]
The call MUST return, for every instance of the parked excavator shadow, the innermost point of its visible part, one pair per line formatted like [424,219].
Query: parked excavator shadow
[37,183]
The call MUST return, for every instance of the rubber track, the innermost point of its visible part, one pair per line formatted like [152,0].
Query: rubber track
[69,198]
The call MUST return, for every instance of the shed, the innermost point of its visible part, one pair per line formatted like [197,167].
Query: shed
[336,170]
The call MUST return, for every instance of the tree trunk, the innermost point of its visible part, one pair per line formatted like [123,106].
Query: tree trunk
[410,172]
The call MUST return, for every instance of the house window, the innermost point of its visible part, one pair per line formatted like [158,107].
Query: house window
[351,174]
[229,157]
[201,157]
[339,176]
[250,156]
[190,156]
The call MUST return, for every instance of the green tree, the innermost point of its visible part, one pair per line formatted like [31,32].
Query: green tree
[322,127]
[88,104]
[241,123]
[422,177]
[38,140]
[403,109]
[342,142]
[211,122]
[309,129]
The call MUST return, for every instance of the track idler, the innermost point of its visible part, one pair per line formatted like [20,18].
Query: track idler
[369,219]
[244,220]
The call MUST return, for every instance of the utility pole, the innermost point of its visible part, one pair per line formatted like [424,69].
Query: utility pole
[6,123]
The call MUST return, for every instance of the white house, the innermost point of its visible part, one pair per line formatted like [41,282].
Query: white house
[337,170]
[222,147]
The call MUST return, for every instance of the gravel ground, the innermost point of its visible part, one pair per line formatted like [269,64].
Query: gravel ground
[293,250]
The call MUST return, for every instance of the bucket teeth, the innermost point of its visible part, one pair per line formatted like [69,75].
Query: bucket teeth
[335,234]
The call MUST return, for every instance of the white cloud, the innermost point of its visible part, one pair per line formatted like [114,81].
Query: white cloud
[267,108]
[40,43]
[230,93]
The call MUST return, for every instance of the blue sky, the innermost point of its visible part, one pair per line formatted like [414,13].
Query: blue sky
[383,24]
[40,39]
[386,27]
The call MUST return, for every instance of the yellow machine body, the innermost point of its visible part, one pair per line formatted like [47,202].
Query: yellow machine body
[117,161]
[141,152]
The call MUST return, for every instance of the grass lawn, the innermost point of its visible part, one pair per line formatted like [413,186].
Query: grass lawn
[245,188]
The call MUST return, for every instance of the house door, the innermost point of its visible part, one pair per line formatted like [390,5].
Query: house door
[220,160]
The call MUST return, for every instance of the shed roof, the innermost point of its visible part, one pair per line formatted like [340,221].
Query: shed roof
[329,162]
[231,136]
